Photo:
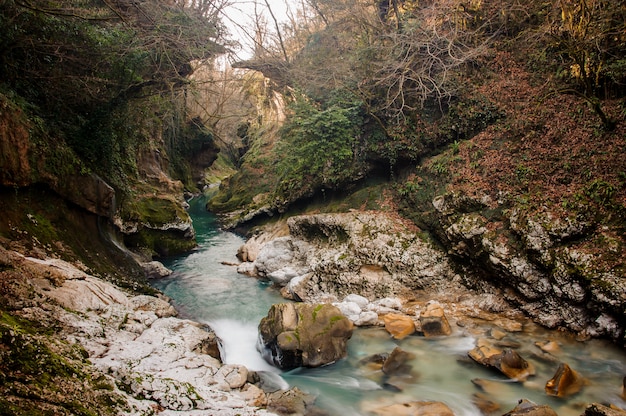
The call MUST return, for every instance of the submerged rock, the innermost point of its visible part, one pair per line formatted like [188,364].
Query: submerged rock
[548,346]
[292,402]
[421,408]
[485,404]
[565,382]
[396,363]
[295,335]
[528,408]
[597,409]
[507,361]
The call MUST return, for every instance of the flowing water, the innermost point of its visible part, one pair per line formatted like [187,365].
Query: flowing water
[206,290]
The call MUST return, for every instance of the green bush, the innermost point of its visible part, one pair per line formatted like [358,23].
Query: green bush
[318,148]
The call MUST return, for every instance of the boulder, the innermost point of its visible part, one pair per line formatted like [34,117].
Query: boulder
[361,301]
[274,255]
[398,325]
[354,307]
[282,276]
[512,365]
[421,408]
[434,322]
[549,347]
[624,388]
[565,382]
[396,363]
[485,404]
[247,268]
[508,361]
[290,402]
[374,362]
[296,334]
[155,269]
[597,409]
[528,408]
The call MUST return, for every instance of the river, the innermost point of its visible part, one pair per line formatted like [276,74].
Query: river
[205,288]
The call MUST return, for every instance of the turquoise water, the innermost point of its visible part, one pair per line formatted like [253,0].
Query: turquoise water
[205,289]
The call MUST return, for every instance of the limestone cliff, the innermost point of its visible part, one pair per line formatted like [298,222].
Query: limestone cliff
[147,210]
[549,267]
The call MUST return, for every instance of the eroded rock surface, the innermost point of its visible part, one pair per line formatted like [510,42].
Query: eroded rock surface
[369,254]
[155,359]
[535,260]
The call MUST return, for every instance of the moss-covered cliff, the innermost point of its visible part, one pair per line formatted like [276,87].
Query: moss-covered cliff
[96,113]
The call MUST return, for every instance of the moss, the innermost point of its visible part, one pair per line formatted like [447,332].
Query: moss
[335,319]
[155,211]
[40,226]
[316,310]
[221,169]
[161,243]
[32,357]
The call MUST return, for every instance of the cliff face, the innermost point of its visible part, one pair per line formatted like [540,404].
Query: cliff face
[148,213]
[561,272]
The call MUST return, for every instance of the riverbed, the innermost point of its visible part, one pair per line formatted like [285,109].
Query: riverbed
[206,287]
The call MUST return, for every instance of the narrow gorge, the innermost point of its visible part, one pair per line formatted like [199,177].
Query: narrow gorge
[388,207]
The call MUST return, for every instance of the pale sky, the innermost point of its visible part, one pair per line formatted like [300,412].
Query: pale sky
[239,17]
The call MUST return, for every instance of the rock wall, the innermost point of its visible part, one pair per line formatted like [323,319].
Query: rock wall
[372,254]
[151,216]
[544,263]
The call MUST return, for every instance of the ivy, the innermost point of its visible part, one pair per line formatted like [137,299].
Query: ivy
[318,147]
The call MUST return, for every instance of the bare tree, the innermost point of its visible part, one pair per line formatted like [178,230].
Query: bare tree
[418,61]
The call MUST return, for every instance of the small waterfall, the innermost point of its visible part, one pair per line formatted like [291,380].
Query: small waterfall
[239,344]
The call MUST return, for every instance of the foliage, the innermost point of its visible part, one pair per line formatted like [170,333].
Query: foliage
[318,147]
[590,37]
[88,70]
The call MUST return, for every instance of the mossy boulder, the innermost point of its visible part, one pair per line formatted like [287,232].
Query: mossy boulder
[158,225]
[302,335]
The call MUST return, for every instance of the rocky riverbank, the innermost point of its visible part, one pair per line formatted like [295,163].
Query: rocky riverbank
[378,271]
[377,255]
[135,357]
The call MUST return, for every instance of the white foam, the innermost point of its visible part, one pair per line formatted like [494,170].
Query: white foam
[238,344]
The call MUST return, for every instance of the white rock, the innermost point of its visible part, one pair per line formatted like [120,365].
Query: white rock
[387,303]
[282,276]
[247,268]
[235,376]
[160,307]
[350,309]
[87,294]
[367,318]
[155,270]
[358,299]
[274,255]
